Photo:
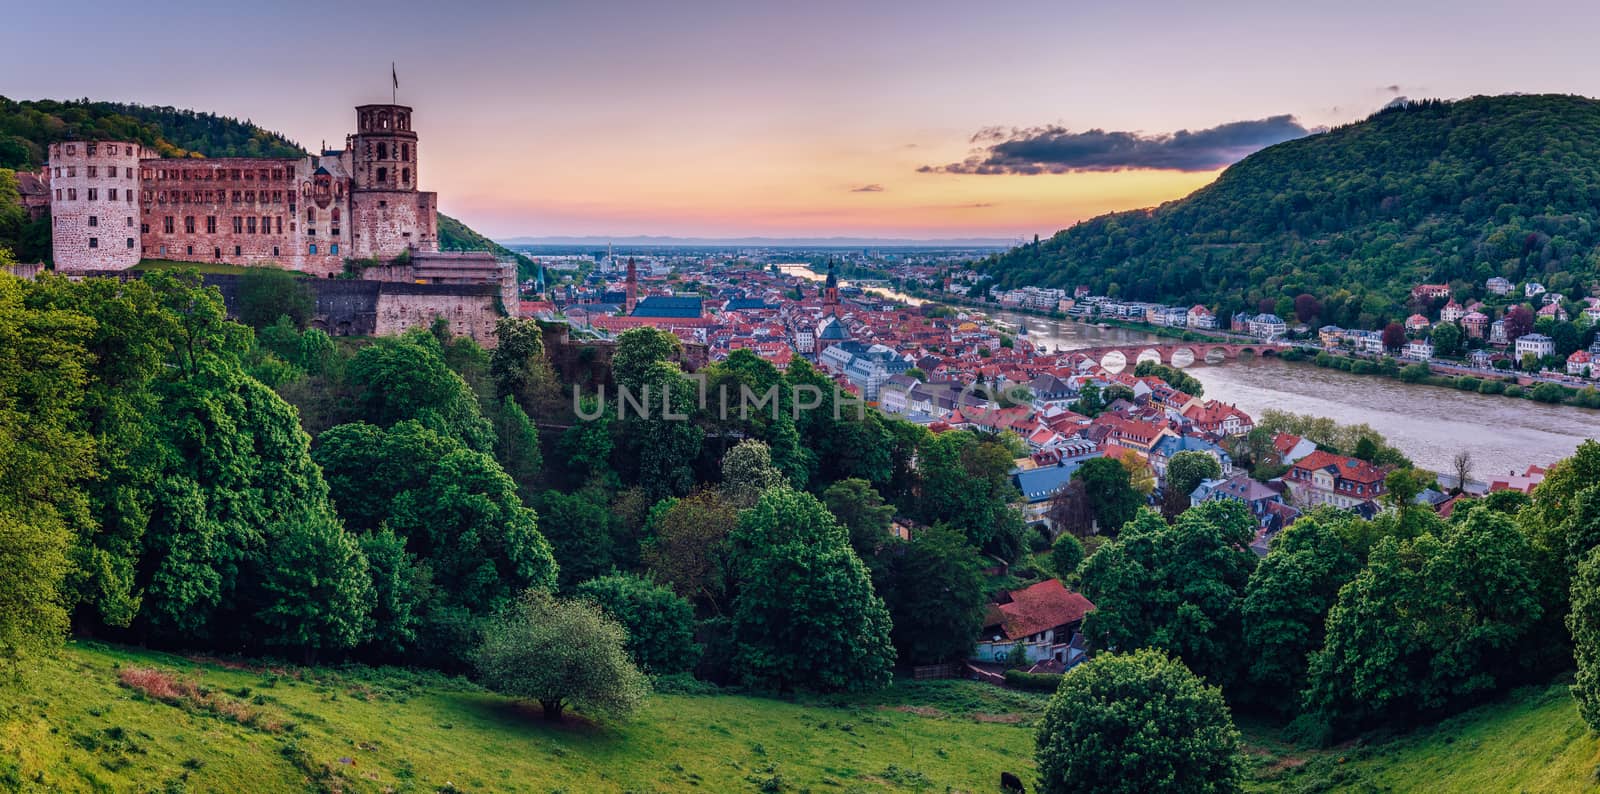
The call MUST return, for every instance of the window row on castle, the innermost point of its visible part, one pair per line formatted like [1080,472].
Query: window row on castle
[93,171]
[216,251]
[242,224]
[94,242]
[94,221]
[402,152]
[219,197]
[94,149]
[210,174]
[93,194]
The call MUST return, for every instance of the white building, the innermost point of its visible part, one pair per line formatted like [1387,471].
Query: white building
[1498,286]
[1419,349]
[1537,344]
[1267,326]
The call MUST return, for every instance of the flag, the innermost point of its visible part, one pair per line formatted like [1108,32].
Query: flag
[394,74]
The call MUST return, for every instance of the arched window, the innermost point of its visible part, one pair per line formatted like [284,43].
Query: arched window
[383,175]
[405,176]
[405,151]
[383,151]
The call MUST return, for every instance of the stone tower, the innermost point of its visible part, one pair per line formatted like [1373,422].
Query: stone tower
[632,293]
[95,205]
[389,215]
[830,291]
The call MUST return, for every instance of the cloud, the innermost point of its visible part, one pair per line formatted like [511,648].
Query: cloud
[1057,150]
[1393,89]
[867,189]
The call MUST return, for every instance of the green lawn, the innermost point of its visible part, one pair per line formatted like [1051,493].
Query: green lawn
[1532,741]
[215,268]
[71,726]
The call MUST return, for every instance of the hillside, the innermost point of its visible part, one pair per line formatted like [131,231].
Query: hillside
[1426,192]
[28,127]
[73,727]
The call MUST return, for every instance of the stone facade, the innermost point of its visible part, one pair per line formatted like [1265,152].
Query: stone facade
[94,205]
[308,214]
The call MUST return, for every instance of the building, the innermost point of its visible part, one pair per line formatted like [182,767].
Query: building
[114,203]
[1475,324]
[1452,312]
[1267,326]
[1537,345]
[1323,478]
[1579,363]
[1041,618]
[33,188]
[1416,323]
[1498,286]
[1418,349]
[1201,317]
[1162,452]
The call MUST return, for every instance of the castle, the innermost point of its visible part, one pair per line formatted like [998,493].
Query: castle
[114,203]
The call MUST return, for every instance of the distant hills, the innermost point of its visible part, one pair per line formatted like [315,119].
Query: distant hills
[647,241]
[1423,192]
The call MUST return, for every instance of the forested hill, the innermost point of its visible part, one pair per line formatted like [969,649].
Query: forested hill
[1425,192]
[28,127]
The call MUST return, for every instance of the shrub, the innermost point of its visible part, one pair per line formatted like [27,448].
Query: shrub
[1033,682]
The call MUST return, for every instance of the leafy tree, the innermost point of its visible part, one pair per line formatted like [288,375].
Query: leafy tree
[862,512]
[516,446]
[405,378]
[1184,472]
[1112,500]
[1172,376]
[1137,722]
[1448,341]
[1429,624]
[638,350]
[579,532]
[966,484]
[1519,322]
[1287,599]
[659,622]
[747,471]
[686,546]
[1394,337]
[1306,308]
[1089,403]
[1066,554]
[267,293]
[400,592]
[519,368]
[934,589]
[317,586]
[1176,587]
[806,615]
[560,653]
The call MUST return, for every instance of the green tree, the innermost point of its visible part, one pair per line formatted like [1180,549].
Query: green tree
[806,615]
[686,546]
[518,365]
[659,622]
[1429,624]
[1137,722]
[1178,587]
[561,653]
[863,513]
[267,293]
[1066,554]
[406,377]
[579,532]
[966,484]
[935,591]
[637,351]
[1172,376]
[747,471]
[1112,501]
[1288,598]
[1447,340]
[318,587]
[516,446]
[1184,472]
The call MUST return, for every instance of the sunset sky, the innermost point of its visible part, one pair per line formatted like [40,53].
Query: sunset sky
[894,119]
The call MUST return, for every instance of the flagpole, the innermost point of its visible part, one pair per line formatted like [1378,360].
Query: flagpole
[394,93]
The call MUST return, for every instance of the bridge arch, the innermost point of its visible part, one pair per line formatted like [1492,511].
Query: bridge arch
[1114,361]
[1149,354]
[1182,357]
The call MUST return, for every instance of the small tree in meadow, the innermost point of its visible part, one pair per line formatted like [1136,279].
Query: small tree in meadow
[561,653]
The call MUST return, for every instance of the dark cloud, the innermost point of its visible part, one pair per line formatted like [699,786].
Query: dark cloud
[867,189]
[1057,150]
[1393,89]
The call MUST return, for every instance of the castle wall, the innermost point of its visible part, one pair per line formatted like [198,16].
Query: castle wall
[386,223]
[94,209]
[471,310]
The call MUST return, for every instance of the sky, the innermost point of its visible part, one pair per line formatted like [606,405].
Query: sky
[892,118]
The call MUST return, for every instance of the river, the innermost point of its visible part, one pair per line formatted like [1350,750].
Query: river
[1428,423]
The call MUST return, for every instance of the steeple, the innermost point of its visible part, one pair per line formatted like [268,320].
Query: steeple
[830,291]
[633,287]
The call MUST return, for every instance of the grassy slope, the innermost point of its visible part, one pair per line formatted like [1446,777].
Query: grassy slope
[1532,741]
[70,726]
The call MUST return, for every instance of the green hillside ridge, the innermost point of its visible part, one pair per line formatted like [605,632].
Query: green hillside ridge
[1427,192]
[72,726]
[28,127]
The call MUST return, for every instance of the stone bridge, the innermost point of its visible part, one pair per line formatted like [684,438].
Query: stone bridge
[1177,354]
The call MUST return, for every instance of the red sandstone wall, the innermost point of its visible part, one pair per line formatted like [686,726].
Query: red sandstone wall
[94,222]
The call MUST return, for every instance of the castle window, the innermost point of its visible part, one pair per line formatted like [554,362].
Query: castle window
[251,224]
[335,231]
[130,242]
[144,228]
[405,151]
[90,150]
[130,151]
[249,197]
[279,224]
[234,173]
[238,225]
[313,248]
[72,170]
[237,250]
[71,149]
[93,171]
[127,173]
[58,171]
[383,152]
[188,225]
[383,175]
[111,193]
[94,194]
[274,250]
[130,222]
[211,224]
[189,250]
[94,242]
[58,194]
[216,253]
[334,214]
[405,175]
[311,214]
[266,224]
[262,174]
[166,224]
[94,220]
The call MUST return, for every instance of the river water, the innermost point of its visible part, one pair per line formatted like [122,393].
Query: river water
[1428,423]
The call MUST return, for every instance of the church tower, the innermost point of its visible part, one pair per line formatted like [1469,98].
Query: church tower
[632,287]
[830,292]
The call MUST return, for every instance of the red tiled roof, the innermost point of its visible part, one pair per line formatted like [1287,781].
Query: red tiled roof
[1045,605]
[1353,469]
[1285,443]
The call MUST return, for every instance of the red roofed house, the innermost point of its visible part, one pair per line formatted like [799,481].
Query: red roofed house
[1291,448]
[1323,478]
[1042,617]
[1578,363]
[1219,417]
